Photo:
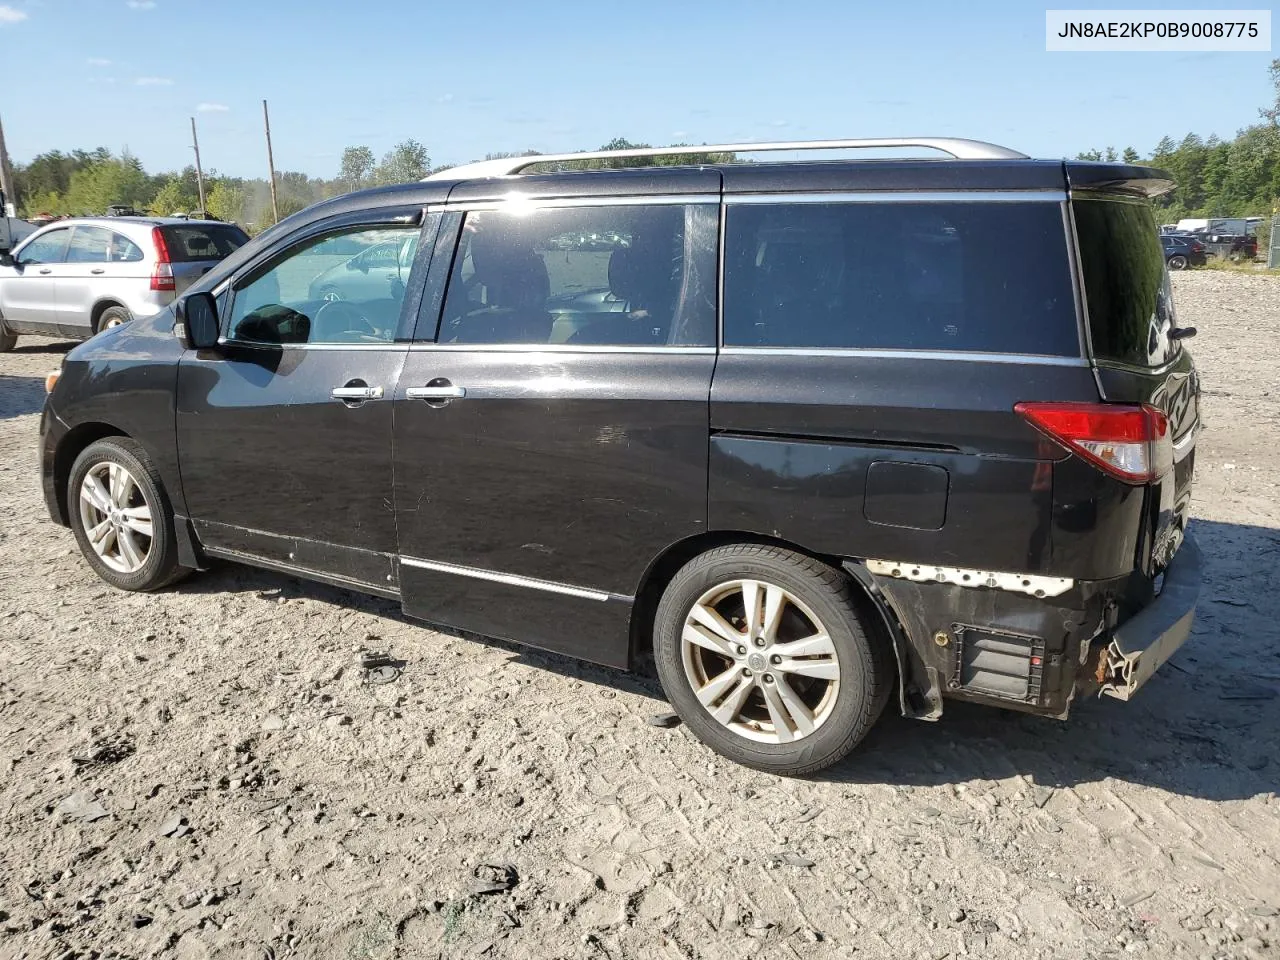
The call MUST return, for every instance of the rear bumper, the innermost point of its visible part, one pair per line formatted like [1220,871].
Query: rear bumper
[1120,664]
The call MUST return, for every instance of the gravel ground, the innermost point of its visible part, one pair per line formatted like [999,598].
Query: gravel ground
[206,772]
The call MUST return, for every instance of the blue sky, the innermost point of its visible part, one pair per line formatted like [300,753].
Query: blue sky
[470,78]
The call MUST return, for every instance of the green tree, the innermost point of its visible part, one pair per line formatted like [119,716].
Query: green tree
[357,164]
[407,161]
[1130,155]
[226,200]
[108,181]
[172,197]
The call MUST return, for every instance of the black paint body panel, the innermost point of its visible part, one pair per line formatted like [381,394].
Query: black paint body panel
[578,468]
[265,448]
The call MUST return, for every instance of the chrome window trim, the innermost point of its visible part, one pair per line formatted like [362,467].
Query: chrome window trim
[427,346]
[1037,359]
[524,201]
[886,196]
[389,345]
[511,579]
[1081,294]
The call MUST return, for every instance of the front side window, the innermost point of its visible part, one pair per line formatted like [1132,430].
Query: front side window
[635,275]
[89,245]
[47,248]
[961,276]
[340,288]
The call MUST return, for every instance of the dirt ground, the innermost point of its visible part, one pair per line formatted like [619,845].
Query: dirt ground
[206,772]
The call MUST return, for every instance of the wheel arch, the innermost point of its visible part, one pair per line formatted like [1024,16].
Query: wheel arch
[877,613]
[71,446]
[101,307]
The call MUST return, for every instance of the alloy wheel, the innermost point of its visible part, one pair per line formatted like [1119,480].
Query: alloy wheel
[116,517]
[760,661]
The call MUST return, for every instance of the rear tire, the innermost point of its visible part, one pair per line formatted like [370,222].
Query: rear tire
[7,338]
[121,516]
[790,690]
[1178,262]
[113,317]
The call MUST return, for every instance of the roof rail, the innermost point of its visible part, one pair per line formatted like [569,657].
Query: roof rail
[956,147]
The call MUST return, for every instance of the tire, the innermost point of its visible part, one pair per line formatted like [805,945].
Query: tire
[113,317]
[140,492]
[816,602]
[1177,262]
[7,338]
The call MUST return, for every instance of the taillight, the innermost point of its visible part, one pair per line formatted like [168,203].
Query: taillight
[162,275]
[1197,247]
[1131,443]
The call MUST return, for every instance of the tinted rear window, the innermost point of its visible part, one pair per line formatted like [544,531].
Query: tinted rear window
[1130,307]
[967,276]
[200,242]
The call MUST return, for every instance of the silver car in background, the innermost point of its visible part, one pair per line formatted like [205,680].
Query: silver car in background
[76,277]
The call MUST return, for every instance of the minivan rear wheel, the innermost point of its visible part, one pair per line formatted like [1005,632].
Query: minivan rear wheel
[1177,262]
[121,516]
[762,653]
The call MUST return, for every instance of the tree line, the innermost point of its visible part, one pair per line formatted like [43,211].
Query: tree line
[1237,177]
[1218,178]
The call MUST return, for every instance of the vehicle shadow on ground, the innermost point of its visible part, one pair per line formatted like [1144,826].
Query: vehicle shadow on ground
[1202,727]
[20,396]
[56,346]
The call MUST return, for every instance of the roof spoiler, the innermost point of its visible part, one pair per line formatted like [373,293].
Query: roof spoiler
[957,148]
[1146,182]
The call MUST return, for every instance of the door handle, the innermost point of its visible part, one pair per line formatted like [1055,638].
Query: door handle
[97,270]
[46,270]
[356,393]
[449,392]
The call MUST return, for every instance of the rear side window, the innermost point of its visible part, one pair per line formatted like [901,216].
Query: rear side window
[1126,286]
[626,275]
[202,242]
[965,276]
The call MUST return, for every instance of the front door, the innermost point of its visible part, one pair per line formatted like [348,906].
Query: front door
[552,442]
[28,295]
[284,432]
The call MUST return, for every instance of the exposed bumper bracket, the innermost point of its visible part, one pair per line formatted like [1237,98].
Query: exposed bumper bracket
[1142,643]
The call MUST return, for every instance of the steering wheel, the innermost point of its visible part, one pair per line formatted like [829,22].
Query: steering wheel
[338,312]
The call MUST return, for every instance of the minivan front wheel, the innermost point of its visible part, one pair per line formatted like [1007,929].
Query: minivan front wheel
[762,653]
[121,516]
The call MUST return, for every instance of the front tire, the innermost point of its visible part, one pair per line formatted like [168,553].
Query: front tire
[762,653]
[7,338]
[121,516]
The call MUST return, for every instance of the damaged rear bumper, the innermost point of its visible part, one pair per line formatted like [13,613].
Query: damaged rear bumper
[1119,664]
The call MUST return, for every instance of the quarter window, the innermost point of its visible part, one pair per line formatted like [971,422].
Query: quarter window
[341,288]
[47,248]
[123,250]
[965,276]
[632,275]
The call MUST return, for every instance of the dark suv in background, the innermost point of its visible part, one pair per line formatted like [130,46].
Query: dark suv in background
[815,433]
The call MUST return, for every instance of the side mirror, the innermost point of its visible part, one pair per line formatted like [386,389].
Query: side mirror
[197,321]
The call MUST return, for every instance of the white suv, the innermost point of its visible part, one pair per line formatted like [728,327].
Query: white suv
[76,277]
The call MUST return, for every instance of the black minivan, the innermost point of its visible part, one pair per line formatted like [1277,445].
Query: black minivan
[815,433]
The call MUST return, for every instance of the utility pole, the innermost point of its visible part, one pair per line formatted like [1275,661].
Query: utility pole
[266,122]
[195,144]
[6,176]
